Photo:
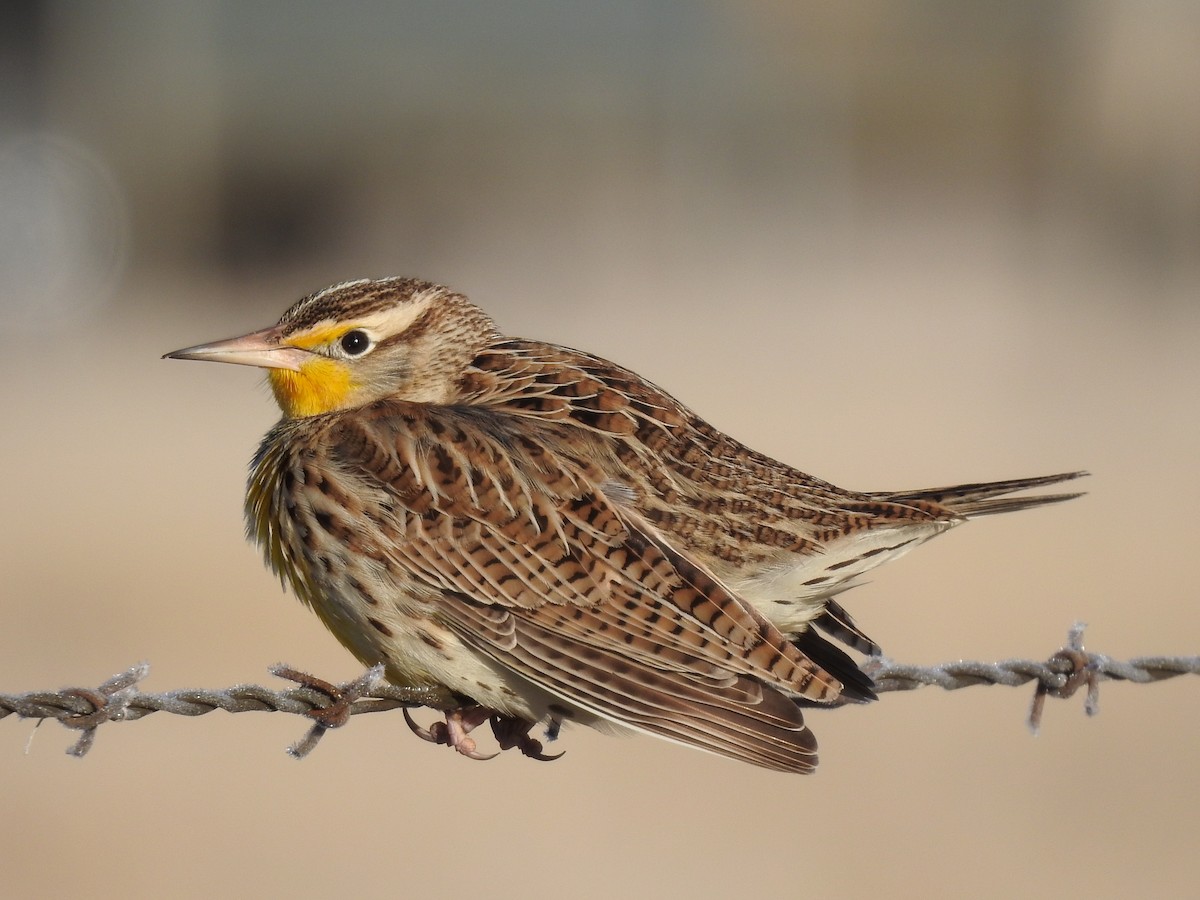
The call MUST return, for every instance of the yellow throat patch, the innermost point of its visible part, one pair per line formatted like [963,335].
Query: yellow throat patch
[322,385]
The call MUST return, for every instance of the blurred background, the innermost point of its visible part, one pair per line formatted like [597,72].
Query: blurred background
[894,244]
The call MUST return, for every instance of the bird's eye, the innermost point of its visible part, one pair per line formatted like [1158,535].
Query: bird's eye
[356,342]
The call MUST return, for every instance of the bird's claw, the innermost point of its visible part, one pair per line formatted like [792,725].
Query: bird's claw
[454,731]
[510,732]
[425,734]
[532,748]
[513,732]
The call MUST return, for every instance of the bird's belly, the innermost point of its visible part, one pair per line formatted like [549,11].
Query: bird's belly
[383,623]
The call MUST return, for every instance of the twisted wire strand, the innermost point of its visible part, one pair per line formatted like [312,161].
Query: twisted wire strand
[950,676]
[330,706]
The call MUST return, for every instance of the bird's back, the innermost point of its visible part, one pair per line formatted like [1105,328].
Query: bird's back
[782,539]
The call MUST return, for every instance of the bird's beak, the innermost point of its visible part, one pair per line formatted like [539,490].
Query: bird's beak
[259,348]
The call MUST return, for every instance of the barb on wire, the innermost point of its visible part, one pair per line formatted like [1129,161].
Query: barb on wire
[1061,675]
[331,706]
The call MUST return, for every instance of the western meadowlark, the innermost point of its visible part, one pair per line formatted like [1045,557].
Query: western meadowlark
[542,535]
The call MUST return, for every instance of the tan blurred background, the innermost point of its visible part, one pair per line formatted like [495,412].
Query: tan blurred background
[894,244]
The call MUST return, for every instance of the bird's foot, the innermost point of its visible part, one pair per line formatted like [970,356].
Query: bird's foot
[455,730]
[512,731]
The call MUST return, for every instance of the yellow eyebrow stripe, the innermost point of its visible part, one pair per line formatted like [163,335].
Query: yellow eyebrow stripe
[320,336]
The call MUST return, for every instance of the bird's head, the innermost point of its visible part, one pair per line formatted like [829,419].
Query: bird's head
[358,342]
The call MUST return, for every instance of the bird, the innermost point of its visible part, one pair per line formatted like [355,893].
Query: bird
[538,535]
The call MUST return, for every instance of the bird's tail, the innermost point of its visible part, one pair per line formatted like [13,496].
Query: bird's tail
[986,498]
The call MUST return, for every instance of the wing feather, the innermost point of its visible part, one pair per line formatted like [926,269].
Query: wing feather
[536,569]
[732,715]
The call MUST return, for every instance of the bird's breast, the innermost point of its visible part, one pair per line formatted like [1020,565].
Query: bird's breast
[327,536]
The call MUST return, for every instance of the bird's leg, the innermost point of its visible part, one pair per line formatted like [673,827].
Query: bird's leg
[455,731]
[512,731]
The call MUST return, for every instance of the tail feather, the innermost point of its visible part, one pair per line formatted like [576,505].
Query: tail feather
[857,685]
[837,623]
[987,498]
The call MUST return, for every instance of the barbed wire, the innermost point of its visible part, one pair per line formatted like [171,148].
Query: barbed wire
[331,706]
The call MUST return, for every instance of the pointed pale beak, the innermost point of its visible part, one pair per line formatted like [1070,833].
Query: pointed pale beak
[259,348]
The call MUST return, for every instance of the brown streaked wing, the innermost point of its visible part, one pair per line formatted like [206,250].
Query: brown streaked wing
[663,646]
[731,715]
[637,589]
[637,600]
[549,538]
